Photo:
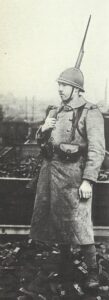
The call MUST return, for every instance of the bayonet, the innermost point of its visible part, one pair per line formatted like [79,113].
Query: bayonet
[81,52]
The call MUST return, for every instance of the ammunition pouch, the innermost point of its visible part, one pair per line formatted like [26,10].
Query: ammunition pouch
[72,152]
[69,152]
[63,152]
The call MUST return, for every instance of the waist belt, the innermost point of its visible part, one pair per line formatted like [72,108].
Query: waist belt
[63,152]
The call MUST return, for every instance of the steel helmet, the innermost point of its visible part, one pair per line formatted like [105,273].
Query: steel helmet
[73,77]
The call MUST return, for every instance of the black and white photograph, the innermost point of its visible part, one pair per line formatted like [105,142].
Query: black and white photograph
[54,150]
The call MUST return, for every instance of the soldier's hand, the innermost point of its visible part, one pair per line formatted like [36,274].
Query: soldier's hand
[49,124]
[85,190]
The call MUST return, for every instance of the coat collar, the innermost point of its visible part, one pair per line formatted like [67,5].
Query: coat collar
[80,101]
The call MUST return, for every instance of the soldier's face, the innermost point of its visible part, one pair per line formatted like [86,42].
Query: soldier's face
[65,91]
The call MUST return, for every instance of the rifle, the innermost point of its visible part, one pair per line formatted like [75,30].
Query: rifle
[81,52]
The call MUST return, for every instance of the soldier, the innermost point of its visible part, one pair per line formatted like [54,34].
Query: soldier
[72,141]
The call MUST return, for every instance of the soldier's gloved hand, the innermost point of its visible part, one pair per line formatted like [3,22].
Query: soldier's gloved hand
[49,124]
[85,190]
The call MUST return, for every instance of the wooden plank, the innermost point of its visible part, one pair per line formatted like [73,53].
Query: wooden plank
[15,178]
[14,229]
[102,231]
[102,181]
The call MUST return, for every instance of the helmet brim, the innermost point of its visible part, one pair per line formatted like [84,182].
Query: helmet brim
[73,84]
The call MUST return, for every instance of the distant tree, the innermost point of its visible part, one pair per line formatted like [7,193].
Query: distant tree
[1,113]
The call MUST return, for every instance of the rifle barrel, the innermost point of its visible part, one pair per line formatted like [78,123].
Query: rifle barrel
[81,52]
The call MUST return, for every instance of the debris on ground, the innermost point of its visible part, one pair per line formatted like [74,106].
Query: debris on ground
[17,167]
[103,175]
[32,271]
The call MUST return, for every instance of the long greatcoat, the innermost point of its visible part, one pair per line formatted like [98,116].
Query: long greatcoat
[59,214]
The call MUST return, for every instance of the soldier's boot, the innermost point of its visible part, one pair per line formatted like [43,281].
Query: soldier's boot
[92,279]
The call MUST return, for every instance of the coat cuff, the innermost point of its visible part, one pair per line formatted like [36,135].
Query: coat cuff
[93,177]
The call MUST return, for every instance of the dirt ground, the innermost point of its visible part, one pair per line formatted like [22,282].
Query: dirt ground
[35,271]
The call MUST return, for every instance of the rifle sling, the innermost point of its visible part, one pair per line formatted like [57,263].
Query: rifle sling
[75,121]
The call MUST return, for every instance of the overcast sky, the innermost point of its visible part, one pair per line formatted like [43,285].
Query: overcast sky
[40,38]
